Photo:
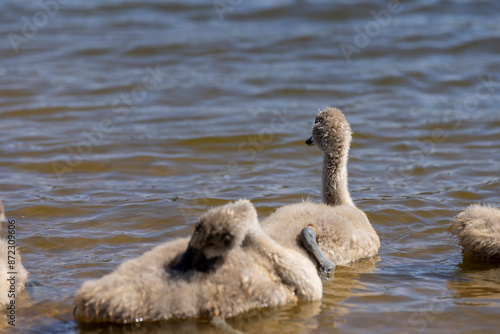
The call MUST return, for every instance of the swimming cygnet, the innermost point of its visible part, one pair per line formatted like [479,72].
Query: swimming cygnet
[13,276]
[334,232]
[478,232]
[228,266]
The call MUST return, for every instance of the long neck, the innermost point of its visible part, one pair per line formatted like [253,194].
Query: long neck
[335,191]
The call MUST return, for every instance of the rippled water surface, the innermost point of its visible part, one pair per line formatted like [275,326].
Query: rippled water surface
[121,121]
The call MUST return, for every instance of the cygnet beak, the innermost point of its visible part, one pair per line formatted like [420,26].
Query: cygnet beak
[310,141]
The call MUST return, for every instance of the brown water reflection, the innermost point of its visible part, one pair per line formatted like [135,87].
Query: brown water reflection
[478,280]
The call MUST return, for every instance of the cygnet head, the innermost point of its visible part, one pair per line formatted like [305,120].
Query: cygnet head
[2,213]
[331,131]
[221,229]
[217,232]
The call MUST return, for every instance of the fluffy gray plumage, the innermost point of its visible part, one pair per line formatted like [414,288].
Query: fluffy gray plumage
[478,232]
[227,267]
[343,231]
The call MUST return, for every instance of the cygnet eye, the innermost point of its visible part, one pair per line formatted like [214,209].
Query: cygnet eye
[318,120]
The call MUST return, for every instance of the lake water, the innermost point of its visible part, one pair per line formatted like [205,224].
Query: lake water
[121,121]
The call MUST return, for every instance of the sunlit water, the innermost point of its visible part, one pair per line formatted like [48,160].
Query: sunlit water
[121,121]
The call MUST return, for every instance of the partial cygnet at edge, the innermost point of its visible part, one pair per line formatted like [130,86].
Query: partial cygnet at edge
[10,262]
[341,230]
[228,266]
[478,232]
